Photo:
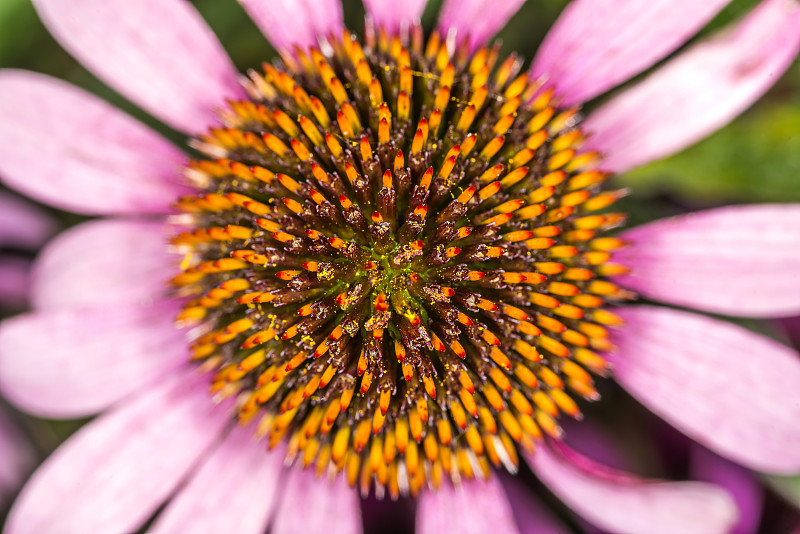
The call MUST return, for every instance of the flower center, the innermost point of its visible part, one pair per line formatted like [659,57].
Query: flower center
[395,261]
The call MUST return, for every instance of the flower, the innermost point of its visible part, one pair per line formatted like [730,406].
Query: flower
[293,246]
[22,227]
[16,459]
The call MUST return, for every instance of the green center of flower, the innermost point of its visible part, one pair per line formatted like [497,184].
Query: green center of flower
[396,261]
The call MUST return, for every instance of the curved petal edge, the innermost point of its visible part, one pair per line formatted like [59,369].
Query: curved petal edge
[726,387]
[621,503]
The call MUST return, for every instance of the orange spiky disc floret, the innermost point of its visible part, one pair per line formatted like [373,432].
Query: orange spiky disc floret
[398,262]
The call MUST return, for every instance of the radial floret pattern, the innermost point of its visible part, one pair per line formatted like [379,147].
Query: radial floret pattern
[396,263]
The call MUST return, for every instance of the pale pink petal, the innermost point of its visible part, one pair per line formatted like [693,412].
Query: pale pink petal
[742,260]
[741,483]
[394,15]
[598,44]
[697,92]
[310,504]
[233,491]
[475,20]
[71,363]
[67,148]
[15,281]
[289,23]
[158,53]
[22,224]
[728,388]
[16,458]
[104,262]
[476,507]
[532,516]
[621,503]
[116,471]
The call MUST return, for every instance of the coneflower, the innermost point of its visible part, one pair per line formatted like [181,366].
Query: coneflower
[397,259]
[395,266]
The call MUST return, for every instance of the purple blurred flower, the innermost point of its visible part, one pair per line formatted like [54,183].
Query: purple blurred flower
[22,228]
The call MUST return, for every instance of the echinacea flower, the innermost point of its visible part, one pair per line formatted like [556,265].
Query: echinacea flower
[393,265]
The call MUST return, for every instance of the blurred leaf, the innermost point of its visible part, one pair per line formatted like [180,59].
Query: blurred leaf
[245,43]
[754,159]
[729,15]
[17,19]
[527,28]
[789,487]
[9,14]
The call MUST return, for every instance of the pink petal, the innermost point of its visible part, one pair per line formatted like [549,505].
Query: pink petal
[476,20]
[104,262]
[394,15]
[71,363]
[598,44]
[476,507]
[730,389]
[22,224]
[233,491]
[117,470]
[532,516]
[67,148]
[741,260]
[14,281]
[16,458]
[741,483]
[621,503]
[317,505]
[289,23]
[699,91]
[158,53]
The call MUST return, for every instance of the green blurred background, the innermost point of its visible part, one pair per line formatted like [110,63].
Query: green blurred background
[754,159]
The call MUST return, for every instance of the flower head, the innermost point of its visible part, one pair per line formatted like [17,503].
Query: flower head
[388,260]
[393,262]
